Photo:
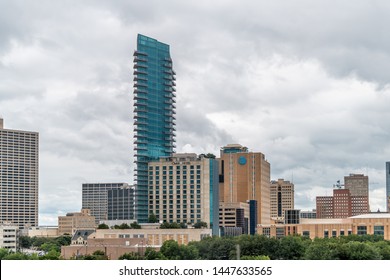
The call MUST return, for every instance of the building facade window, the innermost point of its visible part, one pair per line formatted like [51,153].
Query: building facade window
[361,230]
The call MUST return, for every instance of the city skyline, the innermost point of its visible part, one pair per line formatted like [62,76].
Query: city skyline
[304,84]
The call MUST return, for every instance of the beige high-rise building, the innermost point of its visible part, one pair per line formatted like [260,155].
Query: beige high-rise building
[282,198]
[184,189]
[245,176]
[18,176]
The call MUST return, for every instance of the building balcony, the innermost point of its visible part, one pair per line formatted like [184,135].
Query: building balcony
[144,110]
[140,129]
[140,141]
[140,79]
[140,148]
[140,83]
[140,122]
[137,53]
[140,116]
[139,71]
[140,97]
[140,90]
[140,65]
[140,58]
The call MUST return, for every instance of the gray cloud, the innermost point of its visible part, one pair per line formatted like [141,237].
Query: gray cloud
[305,83]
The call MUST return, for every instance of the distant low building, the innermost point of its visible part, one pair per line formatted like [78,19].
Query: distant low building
[372,223]
[40,231]
[116,242]
[73,221]
[9,236]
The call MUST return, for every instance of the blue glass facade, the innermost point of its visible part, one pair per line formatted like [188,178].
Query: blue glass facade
[154,113]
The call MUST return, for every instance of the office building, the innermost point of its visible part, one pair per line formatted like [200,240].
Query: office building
[357,184]
[373,224]
[350,201]
[9,236]
[120,203]
[337,206]
[234,218]
[18,176]
[245,176]
[308,214]
[388,186]
[154,113]
[184,189]
[95,198]
[282,198]
[74,221]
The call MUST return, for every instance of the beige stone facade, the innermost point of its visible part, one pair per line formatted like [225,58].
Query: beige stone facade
[41,231]
[183,189]
[245,176]
[373,224]
[115,242]
[73,221]
[234,215]
[281,198]
[19,163]
[9,236]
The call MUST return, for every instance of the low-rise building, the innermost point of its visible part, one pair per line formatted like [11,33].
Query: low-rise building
[40,231]
[116,242]
[372,223]
[9,236]
[73,221]
[234,218]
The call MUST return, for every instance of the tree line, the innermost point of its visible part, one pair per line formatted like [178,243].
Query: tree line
[244,247]
[260,247]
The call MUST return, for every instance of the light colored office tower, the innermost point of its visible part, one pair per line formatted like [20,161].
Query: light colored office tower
[282,198]
[184,189]
[245,176]
[357,184]
[95,198]
[19,161]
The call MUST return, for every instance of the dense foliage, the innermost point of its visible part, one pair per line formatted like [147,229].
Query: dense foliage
[249,247]
[259,247]
[37,248]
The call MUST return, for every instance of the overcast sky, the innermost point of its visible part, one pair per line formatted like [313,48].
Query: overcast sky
[304,82]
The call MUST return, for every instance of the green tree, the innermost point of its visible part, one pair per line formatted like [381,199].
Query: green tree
[64,240]
[200,225]
[152,218]
[103,226]
[292,248]
[25,241]
[170,225]
[151,254]
[130,256]
[173,251]
[362,251]
[124,226]
[3,253]
[254,258]
[384,249]
[135,225]
[51,255]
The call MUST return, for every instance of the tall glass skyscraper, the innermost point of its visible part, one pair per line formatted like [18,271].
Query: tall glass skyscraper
[154,113]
